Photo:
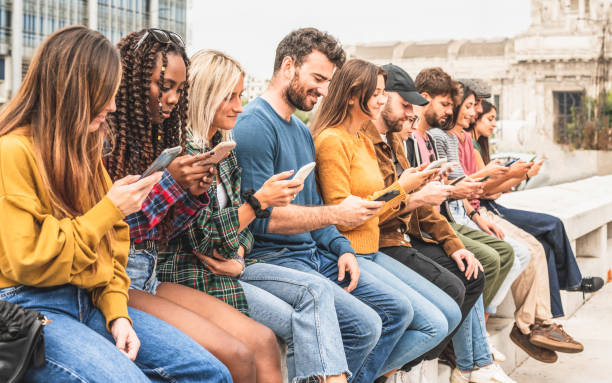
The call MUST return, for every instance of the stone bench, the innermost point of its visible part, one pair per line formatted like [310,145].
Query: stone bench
[585,207]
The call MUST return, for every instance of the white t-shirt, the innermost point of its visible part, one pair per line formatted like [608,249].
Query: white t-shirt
[222,196]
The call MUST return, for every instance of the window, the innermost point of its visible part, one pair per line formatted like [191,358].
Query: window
[568,116]
[2,74]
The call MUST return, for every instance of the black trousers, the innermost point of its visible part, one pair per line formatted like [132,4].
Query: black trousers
[431,262]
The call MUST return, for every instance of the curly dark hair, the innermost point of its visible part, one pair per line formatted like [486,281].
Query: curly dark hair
[137,141]
[300,43]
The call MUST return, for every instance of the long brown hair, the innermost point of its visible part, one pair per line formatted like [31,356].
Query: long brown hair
[137,144]
[355,78]
[482,140]
[72,78]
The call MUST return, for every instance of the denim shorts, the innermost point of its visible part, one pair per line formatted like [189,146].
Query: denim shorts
[141,269]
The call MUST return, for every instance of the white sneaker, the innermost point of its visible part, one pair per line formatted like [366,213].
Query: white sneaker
[415,375]
[497,355]
[490,374]
[457,377]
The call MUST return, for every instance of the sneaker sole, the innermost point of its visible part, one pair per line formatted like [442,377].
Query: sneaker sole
[544,342]
[531,353]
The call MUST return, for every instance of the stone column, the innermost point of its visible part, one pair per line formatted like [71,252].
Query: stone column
[16,45]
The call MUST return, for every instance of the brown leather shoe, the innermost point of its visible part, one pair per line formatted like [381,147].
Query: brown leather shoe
[553,337]
[537,353]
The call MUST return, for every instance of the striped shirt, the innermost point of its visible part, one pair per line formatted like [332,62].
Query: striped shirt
[447,145]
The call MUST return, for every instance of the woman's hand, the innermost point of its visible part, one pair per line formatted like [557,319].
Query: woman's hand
[221,266]
[125,337]
[535,169]
[278,191]
[519,169]
[129,192]
[199,187]
[494,169]
[488,226]
[191,170]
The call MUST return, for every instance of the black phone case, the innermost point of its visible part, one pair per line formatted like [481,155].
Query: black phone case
[388,196]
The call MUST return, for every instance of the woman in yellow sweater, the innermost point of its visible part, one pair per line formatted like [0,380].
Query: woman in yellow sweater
[347,165]
[63,242]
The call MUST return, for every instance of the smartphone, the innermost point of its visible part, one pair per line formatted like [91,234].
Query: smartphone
[162,161]
[509,163]
[436,164]
[221,151]
[457,180]
[533,158]
[483,179]
[304,171]
[388,196]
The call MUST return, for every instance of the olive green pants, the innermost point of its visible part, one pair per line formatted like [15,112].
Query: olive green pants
[495,255]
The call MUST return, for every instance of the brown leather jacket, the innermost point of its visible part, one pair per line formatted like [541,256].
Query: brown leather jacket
[424,223]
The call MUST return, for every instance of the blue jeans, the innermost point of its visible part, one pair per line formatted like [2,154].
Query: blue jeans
[563,270]
[141,269]
[470,341]
[299,308]
[79,348]
[435,313]
[372,318]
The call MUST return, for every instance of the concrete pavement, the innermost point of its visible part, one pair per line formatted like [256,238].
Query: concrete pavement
[591,325]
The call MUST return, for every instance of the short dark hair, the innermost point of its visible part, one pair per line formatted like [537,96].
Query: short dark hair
[301,42]
[435,82]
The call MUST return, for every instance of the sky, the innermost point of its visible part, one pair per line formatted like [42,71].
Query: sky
[250,30]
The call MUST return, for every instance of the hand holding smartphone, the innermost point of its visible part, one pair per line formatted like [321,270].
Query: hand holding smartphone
[162,161]
[388,196]
[220,151]
[305,171]
[457,180]
[436,164]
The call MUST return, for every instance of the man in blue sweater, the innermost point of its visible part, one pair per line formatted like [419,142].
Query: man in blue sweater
[302,236]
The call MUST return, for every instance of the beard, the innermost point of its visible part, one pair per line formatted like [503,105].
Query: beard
[394,125]
[430,118]
[297,95]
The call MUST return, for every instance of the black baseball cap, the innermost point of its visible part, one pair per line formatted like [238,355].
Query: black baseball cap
[399,81]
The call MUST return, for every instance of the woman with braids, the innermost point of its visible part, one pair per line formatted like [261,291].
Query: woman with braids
[151,116]
[209,256]
[63,243]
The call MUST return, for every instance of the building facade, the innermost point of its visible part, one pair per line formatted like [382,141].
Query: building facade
[538,78]
[24,24]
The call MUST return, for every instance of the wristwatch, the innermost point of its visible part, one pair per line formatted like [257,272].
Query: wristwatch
[473,213]
[249,197]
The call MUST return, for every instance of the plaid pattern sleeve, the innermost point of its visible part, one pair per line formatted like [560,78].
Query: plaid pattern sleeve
[165,194]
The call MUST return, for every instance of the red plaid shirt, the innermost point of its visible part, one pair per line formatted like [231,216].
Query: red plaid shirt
[166,193]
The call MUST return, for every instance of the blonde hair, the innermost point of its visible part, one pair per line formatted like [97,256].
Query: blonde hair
[212,78]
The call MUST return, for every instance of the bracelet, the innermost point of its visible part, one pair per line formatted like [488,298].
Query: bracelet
[249,197]
[472,214]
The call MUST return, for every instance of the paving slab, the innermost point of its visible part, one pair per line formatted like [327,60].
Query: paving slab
[591,325]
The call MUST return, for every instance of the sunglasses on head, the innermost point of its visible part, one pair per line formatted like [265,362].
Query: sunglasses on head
[162,37]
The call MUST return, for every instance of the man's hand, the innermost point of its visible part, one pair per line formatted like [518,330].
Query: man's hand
[354,211]
[433,194]
[467,188]
[221,266]
[465,257]
[125,337]
[495,169]
[488,226]
[348,263]
[411,179]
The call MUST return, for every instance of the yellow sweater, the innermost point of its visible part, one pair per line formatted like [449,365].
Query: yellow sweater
[37,249]
[346,165]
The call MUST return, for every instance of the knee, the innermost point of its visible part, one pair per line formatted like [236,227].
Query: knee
[242,365]
[401,313]
[456,290]
[440,324]
[476,286]
[369,328]
[317,292]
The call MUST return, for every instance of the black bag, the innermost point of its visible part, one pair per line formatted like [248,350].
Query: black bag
[21,341]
